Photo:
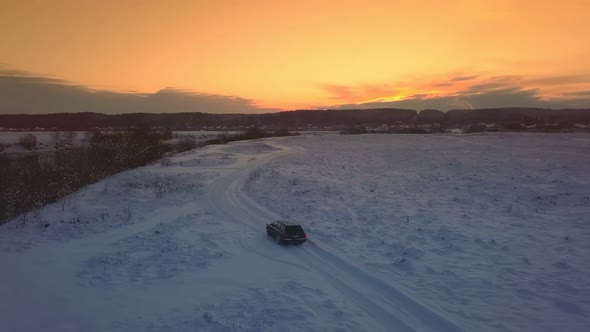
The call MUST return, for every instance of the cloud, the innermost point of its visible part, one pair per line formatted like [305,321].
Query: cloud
[559,80]
[22,92]
[578,94]
[339,91]
[464,78]
[492,92]
[359,92]
[508,97]
[484,87]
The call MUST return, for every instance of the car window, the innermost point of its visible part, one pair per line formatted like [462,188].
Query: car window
[294,230]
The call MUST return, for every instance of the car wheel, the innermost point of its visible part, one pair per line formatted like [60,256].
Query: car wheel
[279,240]
[267,233]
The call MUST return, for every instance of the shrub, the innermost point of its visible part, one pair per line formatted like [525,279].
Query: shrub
[64,139]
[513,126]
[160,187]
[166,133]
[28,141]
[96,136]
[186,143]
[475,128]
[254,132]
[354,130]
[283,132]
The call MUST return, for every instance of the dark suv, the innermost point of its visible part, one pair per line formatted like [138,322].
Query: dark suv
[286,232]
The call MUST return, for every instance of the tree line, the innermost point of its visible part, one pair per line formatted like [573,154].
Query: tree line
[31,182]
[293,120]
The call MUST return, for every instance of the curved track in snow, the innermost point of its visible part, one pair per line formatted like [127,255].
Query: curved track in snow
[387,306]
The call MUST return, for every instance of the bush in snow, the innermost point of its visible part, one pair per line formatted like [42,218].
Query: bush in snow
[514,126]
[207,317]
[186,143]
[166,133]
[160,187]
[28,141]
[354,130]
[64,139]
[475,128]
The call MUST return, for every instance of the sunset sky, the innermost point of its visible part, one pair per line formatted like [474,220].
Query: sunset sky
[256,56]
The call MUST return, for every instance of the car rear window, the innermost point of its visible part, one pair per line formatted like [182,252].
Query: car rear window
[294,230]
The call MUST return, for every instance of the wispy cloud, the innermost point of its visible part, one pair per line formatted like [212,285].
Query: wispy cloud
[464,78]
[340,92]
[491,99]
[23,92]
[577,95]
[475,91]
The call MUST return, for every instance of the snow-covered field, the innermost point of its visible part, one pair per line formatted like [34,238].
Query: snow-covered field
[407,232]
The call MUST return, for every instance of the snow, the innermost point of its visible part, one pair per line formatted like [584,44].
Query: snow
[490,231]
[407,232]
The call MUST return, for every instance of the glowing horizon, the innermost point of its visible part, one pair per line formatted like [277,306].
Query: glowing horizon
[308,54]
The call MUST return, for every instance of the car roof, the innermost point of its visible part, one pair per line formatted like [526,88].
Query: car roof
[288,223]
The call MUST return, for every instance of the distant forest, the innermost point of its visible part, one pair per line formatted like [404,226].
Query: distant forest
[295,120]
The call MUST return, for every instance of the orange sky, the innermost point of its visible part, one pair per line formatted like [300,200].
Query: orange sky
[295,54]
